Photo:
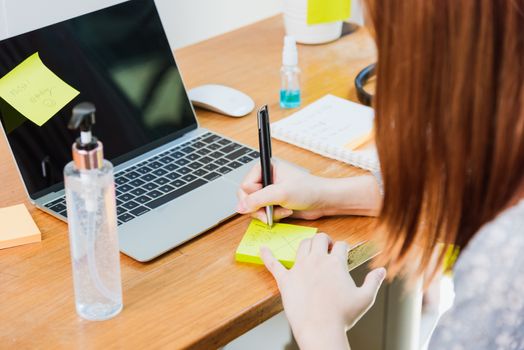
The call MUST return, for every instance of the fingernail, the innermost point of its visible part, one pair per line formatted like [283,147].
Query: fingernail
[382,272]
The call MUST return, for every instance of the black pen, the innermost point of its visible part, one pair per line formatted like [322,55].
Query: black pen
[264,142]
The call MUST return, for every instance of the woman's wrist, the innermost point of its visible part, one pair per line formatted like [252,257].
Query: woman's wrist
[325,337]
[359,195]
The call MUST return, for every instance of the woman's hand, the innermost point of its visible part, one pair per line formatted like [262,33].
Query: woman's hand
[302,195]
[320,298]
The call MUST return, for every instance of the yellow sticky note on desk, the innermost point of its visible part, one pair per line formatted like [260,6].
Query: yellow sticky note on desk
[325,11]
[282,239]
[35,91]
[17,227]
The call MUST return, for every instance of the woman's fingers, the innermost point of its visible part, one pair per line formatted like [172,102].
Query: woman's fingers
[320,244]
[253,180]
[340,249]
[371,284]
[273,265]
[270,195]
[303,249]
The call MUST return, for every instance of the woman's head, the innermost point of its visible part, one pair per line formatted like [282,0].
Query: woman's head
[449,119]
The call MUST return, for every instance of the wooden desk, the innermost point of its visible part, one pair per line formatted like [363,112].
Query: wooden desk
[196,296]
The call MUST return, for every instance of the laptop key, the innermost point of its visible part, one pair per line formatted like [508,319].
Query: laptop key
[212,138]
[132,175]
[193,156]
[161,181]
[216,154]
[142,199]
[235,164]
[199,144]
[184,170]
[222,161]
[254,154]
[214,146]
[211,167]
[173,176]
[205,160]
[144,170]
[130,205]
[224,142]
[155,165]
[182,162]
[165,160]
[189,177]
[56,201]
[148,177]
[188,149]
[139,211]
[175,194]
[212,176]
[150,186]
[120,210]
[245,159]
[238,153]
[230,148]
[178,183]
[203,151]
[195,165]
[159,172]
[137,183]
[138,191]
[58,207]
[171,167]
[224,170]
[177,154]
[125,217]
[126,197]
[124,188]
[155,194]
[166,188]
[63,213]
[120,180]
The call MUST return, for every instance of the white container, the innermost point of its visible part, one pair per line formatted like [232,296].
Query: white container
[295,22]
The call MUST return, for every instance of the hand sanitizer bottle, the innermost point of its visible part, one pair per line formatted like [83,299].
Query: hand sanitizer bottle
[289,75]
[91,214]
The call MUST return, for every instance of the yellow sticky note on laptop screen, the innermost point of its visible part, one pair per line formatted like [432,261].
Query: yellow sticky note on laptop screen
[325,11]
[282,239]
[35,91]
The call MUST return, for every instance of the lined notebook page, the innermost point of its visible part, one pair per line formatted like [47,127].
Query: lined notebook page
[332,127]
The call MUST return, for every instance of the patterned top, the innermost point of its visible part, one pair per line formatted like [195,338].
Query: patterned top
[488,312]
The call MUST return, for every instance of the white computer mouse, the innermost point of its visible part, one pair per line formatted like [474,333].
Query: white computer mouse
[222,99]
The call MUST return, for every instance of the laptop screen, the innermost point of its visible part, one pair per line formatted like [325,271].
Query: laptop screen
[117,58]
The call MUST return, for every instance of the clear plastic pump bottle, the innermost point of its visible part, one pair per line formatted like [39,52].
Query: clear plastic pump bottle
[289,75]
[91,214]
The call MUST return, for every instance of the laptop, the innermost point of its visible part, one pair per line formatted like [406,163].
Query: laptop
[174,179]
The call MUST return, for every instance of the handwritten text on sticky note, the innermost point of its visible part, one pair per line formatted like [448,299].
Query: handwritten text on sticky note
[35,91]
[325,11]
[282,239]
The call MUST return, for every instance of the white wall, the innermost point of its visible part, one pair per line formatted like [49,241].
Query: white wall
[186,21]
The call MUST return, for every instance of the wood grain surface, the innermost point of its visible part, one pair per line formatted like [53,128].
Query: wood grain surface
[195,296]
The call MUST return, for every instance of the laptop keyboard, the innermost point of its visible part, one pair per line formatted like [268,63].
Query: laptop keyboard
[171,174]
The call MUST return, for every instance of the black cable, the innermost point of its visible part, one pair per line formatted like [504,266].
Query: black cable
[360,81]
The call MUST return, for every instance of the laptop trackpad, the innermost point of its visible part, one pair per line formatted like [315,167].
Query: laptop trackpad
[168,226]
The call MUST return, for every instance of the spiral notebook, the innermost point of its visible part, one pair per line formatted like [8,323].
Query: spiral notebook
[332,127]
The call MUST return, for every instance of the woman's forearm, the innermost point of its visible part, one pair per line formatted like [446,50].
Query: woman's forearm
[359,195]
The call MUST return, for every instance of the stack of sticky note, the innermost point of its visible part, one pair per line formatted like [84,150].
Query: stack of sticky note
[17,227]
[282,239]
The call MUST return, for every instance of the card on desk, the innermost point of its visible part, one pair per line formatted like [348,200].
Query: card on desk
[282,239]
[17,227]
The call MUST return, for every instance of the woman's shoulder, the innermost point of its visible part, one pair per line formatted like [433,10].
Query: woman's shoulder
[488,311]
[495,242]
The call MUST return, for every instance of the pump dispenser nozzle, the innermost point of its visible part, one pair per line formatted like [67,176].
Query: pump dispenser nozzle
[87,150]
